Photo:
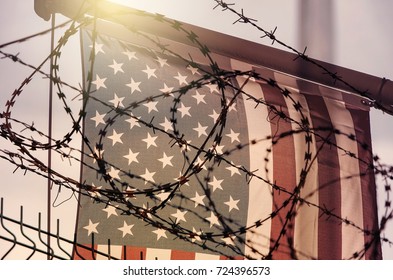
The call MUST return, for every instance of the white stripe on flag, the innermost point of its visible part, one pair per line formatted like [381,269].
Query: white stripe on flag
[115,251]
[158,254]
[202,256]
[260,202]
[351,189]
[306,220]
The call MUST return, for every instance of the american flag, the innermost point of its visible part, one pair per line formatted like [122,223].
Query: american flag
[219,167]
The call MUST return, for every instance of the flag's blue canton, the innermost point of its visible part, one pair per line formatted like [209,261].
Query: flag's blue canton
[125,75]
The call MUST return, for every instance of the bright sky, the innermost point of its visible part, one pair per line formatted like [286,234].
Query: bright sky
[360,39]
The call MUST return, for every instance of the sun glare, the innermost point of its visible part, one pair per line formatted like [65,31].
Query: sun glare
[148,6]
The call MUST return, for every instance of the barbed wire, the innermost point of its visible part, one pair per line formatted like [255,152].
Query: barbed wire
[242,18]
[119,192]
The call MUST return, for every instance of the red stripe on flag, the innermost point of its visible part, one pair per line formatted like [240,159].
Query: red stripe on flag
[182,255]
[83,253]
[329,229]
[134,253]
[361,121]
[224,258]
[284,175]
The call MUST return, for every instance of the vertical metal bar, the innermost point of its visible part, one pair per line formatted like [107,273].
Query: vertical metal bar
[49,251]
[6,229]
[75,249]
[92,247]
[49,199]
[24,235]
[109,249]
[58,239]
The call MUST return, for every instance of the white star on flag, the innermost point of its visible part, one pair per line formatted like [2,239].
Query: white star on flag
[196,235]
[200,98]
[150,140]
[180,215]
[134,121]
[98,48]
[150,72]
[117,101]
[213,220]
[232,107]
[151,106]
[214,116]
[167,125]
[234,136]
[162,61]
[148,176]
[198,199]
[193,70]
[229,241]
[114,173]
[181,79]
[233,169]
[232,204]
[200,163]
[185,147]
[129,193]
[99,82]
[110,210]
[184,110]
[201,130]
[163,195]
[219,149]
[91,227]
[166,89]
[126,229]
[116,67]
[130,55]
[134,86]
[116,137]
[160,233]
[166,160]
[95,192]
[146,211]
[97,153]
[216,184]
[132,157]
[99,118]
[212,87]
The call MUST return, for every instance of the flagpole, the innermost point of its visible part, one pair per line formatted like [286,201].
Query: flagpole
[375,87]
[50,117]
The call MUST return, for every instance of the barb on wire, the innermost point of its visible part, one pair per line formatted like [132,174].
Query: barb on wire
[24,39]
[335,76]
